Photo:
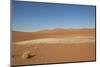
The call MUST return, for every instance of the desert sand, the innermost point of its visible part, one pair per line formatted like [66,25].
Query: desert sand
[54,46]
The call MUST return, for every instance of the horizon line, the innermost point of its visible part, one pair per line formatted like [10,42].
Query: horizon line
[51,29]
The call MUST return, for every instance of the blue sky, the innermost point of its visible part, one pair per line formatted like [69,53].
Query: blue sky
[32,16]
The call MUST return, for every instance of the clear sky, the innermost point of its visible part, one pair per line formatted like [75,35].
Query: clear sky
[32,16]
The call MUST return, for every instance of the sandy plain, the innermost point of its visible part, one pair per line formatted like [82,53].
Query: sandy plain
[54,46]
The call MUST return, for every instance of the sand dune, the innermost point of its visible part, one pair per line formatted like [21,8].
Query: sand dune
[55,33]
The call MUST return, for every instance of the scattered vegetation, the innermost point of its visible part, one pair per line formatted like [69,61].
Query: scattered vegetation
[26,55]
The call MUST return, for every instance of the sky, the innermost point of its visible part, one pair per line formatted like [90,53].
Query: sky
[33,16]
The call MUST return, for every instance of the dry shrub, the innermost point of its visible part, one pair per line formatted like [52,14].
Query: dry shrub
[26,55]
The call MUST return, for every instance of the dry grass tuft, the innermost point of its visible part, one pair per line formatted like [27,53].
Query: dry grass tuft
[26,55]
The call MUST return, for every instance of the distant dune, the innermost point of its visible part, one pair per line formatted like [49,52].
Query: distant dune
[22,36]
